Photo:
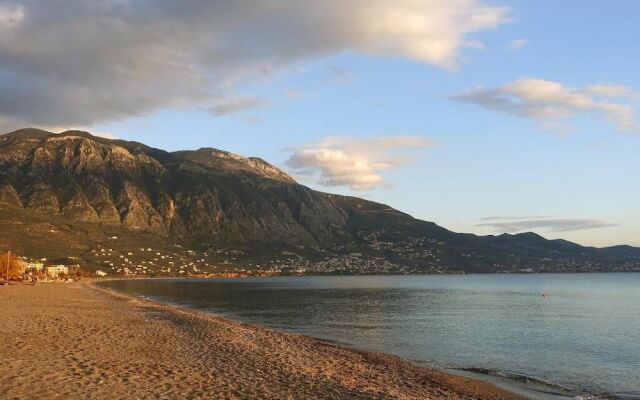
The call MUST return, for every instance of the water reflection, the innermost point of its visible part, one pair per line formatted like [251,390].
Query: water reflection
[585,334]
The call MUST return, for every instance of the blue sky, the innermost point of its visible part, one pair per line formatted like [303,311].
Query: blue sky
[530,125]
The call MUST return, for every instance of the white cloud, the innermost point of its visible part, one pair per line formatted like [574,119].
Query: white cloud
[517,44]
[11,15]
[356,163]
[84,61]
[551,102]
[233,105]
[610,90]
[552,224]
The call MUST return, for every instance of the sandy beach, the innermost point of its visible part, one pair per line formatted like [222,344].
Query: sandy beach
[77,341]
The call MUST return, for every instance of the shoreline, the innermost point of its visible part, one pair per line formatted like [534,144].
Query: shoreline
[533,389]
[79,340]
[510,382]
[511,390]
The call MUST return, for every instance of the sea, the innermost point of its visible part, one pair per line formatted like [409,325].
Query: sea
[545,336]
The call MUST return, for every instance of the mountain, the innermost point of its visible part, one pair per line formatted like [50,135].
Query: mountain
[77,195]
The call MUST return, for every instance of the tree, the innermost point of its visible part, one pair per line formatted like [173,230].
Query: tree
[80,272]
[16,266]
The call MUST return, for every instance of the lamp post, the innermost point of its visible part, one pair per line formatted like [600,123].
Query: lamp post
[8,260]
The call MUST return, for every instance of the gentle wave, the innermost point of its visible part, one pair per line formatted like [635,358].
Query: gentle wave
[544,386]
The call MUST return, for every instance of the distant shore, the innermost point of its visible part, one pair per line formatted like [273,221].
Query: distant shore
[77,341]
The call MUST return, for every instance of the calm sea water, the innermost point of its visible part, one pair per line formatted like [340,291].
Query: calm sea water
[585,336]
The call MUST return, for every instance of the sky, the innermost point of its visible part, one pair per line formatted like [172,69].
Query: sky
[482,116]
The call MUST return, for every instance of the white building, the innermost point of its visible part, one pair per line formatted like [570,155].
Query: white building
[34,266]
[55,270]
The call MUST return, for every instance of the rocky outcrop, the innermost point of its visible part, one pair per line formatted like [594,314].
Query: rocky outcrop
[136,209]
[230,162]
[78,208]
[101,200]
[9,196]
[43,199]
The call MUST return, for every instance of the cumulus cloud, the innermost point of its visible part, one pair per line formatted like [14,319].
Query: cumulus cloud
[551,101]
[356,163]
[232,105]
[85,61]
[552,224]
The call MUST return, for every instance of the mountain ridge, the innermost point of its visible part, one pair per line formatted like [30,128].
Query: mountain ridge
[210,199]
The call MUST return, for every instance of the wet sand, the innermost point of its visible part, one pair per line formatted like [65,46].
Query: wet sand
[77,341]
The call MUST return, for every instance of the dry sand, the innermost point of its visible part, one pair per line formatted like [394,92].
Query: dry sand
[76,341]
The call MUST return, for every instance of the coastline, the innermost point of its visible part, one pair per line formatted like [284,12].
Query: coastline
[87,341]
[518,384]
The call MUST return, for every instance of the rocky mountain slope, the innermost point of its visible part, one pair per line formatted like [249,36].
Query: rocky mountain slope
[64,194]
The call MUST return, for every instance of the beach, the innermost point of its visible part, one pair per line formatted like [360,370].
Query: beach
[78,341]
